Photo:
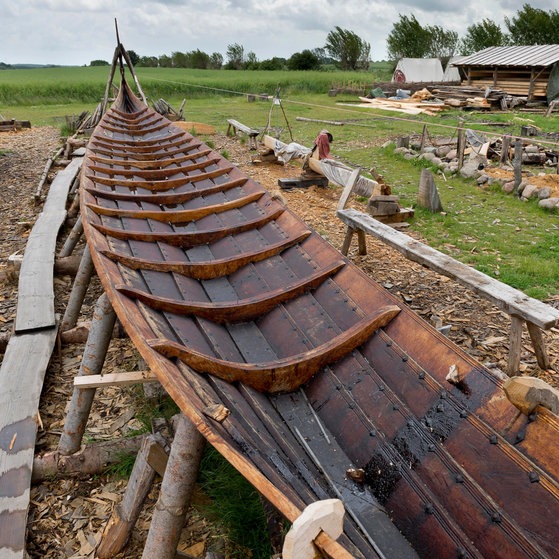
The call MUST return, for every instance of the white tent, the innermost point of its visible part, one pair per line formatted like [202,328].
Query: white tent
[451,73]
[418,70]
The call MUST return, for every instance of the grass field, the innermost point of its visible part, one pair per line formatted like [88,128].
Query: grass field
[515,241]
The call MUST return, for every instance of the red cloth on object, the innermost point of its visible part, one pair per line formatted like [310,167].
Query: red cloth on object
[323,143]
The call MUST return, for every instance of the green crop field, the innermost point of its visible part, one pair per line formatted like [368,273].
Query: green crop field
[477,224]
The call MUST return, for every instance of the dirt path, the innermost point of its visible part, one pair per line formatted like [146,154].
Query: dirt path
[67,517]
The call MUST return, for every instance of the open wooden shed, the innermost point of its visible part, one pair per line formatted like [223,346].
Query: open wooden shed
[530,71]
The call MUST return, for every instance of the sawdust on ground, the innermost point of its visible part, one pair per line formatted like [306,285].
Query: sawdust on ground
[67,516]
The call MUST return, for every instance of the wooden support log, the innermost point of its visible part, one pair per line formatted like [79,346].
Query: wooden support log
[72,239]
[79,289]
[46,170]
[93,459]
[176,491]
[124,517]
[95,351]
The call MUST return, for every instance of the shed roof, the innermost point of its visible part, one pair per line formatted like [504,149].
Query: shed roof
[534,55]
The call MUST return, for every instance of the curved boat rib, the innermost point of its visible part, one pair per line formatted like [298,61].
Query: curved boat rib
[239,310]
[155,173]
[177,216]
[280,375]
[208,269]
[188,239]
[161,185]
[149,164]
[170,199]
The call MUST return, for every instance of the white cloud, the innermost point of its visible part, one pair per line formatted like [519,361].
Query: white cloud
[78,31]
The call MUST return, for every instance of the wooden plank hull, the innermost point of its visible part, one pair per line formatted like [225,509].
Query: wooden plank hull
[217,286]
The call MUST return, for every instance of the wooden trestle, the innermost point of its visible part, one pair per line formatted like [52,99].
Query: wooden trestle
[233,301]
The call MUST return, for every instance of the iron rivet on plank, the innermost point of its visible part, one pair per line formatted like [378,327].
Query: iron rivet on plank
[533,477]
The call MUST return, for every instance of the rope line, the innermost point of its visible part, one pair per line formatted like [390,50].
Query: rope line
[354,111]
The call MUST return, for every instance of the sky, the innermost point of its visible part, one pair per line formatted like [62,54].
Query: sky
[75,32]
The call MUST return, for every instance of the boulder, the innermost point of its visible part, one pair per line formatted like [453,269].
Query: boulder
[549,203]
[531,191]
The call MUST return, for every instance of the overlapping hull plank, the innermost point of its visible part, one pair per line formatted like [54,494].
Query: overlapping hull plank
[215,282]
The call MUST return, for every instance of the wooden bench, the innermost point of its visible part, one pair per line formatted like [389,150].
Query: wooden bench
[537,315]
[235,126]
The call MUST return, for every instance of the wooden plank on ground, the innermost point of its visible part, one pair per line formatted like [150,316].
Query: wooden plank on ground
[35,307]
[508,299]
[21,381]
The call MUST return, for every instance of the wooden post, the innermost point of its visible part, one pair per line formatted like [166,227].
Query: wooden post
[72,239]
[176,491]
[124,517]
[423,138]
[347,240]
[79,289]
[515,347]
[505,150]
[517,164]
[428,196]
[95,351]
[461,144]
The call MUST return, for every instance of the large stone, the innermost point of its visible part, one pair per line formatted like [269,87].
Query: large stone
[544,193]
[443,151]
[472,167]
[531,191]
[508,187]
[549,203]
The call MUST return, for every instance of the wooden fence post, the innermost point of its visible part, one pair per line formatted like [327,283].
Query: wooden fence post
[517,164]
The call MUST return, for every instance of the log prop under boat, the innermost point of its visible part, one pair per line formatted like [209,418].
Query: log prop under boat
[233,301]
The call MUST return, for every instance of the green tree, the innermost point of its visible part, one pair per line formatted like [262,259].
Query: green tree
[352,52]
[533,26]
[275,63]
[149,61]
[251,61]
[98,63]
[408,39]
[304,60]
[216,61]
[134,57]
[482,35]
[443,43]
[165,61]
[235,56]
[198,59]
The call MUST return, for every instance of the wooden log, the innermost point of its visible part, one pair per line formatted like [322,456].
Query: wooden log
[176,491]
[93,459]
[527,393]
[46,170]
[124,517]
[79,289]
[95,351]
[505,150]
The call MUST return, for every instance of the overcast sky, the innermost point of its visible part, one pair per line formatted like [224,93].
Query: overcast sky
[75,32]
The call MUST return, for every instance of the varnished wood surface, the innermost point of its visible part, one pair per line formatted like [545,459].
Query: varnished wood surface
[447,462]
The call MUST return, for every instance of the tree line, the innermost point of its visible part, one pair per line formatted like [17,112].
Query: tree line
[345,50]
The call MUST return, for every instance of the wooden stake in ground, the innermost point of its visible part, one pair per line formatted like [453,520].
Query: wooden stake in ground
[428,195]
[176,491]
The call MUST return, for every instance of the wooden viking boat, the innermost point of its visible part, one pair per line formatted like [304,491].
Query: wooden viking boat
[329,385]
